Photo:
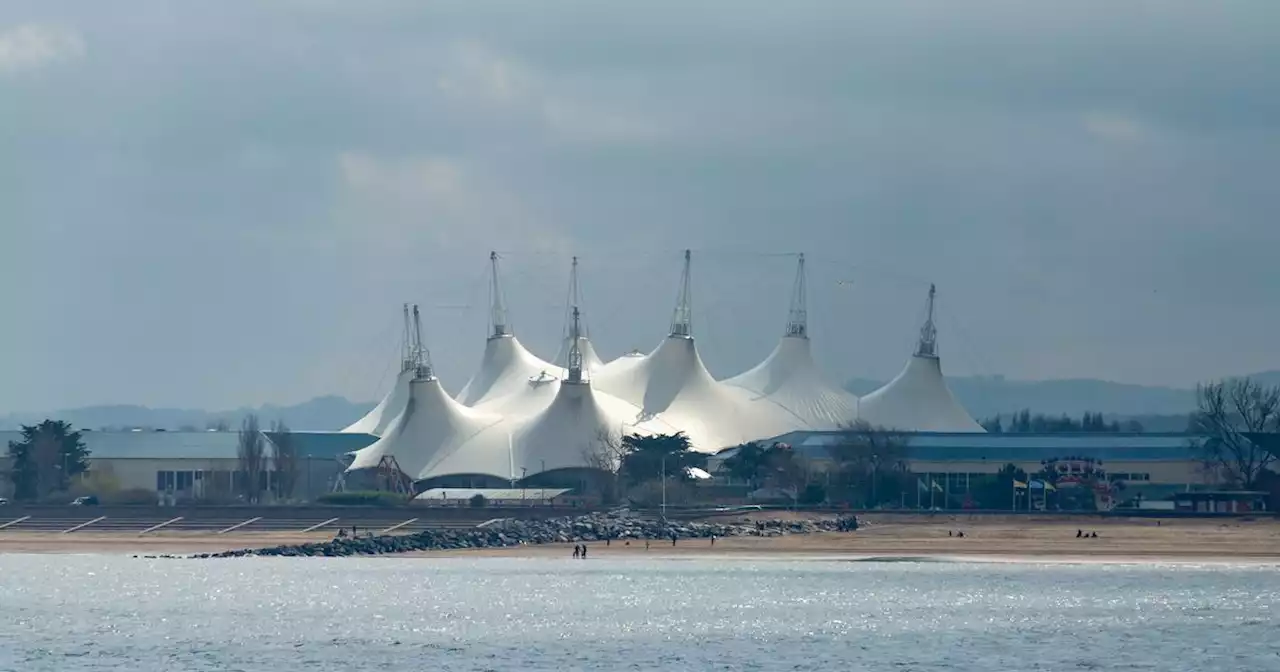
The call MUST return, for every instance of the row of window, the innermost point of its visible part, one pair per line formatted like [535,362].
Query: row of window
[1131,476]
[185,481]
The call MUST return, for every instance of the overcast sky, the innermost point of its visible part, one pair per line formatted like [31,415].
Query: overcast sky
[222,203]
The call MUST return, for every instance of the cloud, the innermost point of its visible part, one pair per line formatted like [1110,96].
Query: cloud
[434,178]
[475,73]
[310,165]
[1113,126]
[405,204]
[33,46]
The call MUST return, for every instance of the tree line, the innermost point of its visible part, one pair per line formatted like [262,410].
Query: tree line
[1025,422]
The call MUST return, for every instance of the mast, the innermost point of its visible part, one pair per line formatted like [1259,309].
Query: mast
[798,317]
[928,346]
[682,318]
[421,355]
[574,300]
[575,353]
[406,341]
[497,302]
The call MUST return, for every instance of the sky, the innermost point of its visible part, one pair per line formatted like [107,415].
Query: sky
[216,204]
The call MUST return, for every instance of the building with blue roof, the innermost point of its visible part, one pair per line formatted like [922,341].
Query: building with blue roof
[1153,464]
[199,465]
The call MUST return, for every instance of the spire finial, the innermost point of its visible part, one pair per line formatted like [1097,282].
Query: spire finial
[406,343]
[798,318]
[682,318]
[574,300]
[497,302]
[928,334]
[421,355]
[575,352]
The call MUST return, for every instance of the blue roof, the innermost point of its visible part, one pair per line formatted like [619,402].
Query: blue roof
[1011,447]
[152,445]
[327,445]
[200,445]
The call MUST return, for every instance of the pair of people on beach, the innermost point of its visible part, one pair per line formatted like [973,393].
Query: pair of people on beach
[580,551]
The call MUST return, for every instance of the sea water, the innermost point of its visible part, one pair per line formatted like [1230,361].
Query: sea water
[66,612]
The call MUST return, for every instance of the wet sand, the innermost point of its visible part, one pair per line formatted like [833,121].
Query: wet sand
[986,537]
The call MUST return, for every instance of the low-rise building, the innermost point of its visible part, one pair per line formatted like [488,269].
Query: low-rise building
[200,466]
[1155,465]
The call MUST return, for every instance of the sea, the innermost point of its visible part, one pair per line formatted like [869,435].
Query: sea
[108,612]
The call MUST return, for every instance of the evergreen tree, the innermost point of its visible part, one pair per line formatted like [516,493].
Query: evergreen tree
[649,457]
[49,455]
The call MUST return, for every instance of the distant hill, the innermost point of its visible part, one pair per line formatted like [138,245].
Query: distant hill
[985,396]
[320,414]
[1157,408]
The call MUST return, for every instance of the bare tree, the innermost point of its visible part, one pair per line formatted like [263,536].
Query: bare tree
[605,455]
[1228,412]
[867,456]
[284,460]
[251,454]
[219,425]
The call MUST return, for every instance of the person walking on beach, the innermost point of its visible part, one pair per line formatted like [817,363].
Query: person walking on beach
[577,550]
[713,540]
[584,551]
[646,544]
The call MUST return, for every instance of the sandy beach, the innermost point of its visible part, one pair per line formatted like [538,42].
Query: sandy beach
[989,537]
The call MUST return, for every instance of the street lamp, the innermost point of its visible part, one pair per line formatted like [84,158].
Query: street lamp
[664,487]
[524,473]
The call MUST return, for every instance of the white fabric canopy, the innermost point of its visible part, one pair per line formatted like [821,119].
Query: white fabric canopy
[673,385]
[505,368]
[432,424]
[380,418]
[789,380]
[917,400]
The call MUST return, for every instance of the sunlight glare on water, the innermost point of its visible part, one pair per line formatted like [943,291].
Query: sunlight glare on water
[119,613]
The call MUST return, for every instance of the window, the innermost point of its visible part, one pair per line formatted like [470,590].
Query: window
[1133,476]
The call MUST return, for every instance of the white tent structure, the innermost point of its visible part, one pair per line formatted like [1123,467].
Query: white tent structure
[380,418]
[789,380]
[570,431]
[591,362]
[918,399]
[563,434]
[520,415]
[673,385]
[506,366]
[431,424]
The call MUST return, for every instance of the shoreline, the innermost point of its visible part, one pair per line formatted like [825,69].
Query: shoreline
[882,538]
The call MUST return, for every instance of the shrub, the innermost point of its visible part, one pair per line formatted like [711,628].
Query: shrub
[813,494]
[369,498]
[129,496]
[478,501]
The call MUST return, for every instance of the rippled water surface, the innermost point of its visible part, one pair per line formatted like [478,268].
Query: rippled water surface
[112,612]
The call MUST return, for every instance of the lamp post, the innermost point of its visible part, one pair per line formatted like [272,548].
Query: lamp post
[664,487]
[524,472]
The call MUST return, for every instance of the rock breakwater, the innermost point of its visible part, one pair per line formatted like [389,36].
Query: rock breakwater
[515,532]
